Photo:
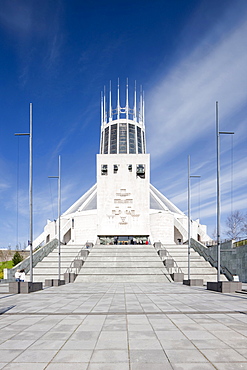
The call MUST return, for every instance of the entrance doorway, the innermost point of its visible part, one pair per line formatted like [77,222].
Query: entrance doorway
[124,239]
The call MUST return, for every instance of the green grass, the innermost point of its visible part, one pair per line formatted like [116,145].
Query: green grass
[4,265]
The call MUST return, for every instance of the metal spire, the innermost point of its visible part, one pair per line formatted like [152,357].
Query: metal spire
[101,99]
[143,114]
[104,107]
[140,108]
[110,107]
[135,103]
[127,100]
[118,101]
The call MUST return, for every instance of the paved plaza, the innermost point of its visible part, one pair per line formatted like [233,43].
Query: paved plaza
[123,326]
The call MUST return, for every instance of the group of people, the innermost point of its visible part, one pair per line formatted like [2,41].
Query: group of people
[20,275]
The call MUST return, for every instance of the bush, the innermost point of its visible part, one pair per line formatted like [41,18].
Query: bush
[16,258]
[5,265]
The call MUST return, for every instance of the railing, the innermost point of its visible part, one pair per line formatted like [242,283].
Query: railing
[240,243]
[168,257]
[37,257]
[205,253]
[76,267]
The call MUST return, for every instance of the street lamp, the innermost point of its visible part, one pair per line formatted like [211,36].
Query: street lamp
[30,134]
[218,133]
[189,220]
[59,214]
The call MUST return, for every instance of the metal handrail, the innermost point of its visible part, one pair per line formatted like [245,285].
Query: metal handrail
[175,268]
[201,249]
[38,256]
[76,270]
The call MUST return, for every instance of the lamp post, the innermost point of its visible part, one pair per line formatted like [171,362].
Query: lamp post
[218,133]
[189,220]
[30,134]
[59,214]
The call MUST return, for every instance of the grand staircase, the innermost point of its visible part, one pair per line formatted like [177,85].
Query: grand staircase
[199,267]
[48,267]
[123,263]
[126,263]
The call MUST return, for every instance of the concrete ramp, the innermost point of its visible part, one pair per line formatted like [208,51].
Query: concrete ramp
[123,263]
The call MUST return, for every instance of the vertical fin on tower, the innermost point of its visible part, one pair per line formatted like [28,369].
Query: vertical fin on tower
[135,103]
[110,105]
[127,100]
[140,106]
[118,101]
[104,105]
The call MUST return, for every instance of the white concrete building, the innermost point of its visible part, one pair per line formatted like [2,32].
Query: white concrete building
[123,205]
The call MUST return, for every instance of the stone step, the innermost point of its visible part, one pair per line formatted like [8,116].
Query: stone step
[65,253]
[125,246]
[126,264]
[122,279]
[120,255]
[68,248]
[205,277]
[122,271]
[183,253]
[193,264]
[185,258]
[55,260]
[100,259]
[199,270]
[44,271]
[44,264]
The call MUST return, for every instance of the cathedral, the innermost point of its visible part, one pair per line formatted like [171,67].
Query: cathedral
[122,207]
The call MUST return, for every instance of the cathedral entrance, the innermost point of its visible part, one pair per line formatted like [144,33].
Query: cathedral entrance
[124,239]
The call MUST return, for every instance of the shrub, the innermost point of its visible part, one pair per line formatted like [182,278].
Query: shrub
[16,258]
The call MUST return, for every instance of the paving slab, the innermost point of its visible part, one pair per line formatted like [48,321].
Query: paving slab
[123,326]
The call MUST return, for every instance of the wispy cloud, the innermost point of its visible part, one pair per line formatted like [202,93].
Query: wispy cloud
[207,192]
[181,107]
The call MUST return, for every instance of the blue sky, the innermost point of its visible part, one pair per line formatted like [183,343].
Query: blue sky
[59,54]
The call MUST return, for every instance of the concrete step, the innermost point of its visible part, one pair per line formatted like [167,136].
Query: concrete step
[199,267]
[206,277]
[44,271]
[48,260]
[100,259]
[120,255]
[125,279]
[199,270]
[185,258]
[194,264]
[122,271]
[126,264]
[46,265]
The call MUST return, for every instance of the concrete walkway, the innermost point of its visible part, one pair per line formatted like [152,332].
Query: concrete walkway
[123,326]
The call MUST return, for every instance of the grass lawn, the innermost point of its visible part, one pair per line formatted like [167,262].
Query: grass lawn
[4,265]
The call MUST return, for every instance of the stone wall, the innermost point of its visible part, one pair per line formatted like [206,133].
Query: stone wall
[235,259]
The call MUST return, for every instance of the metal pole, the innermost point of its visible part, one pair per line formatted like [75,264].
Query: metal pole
[59,214]
[188,217]
[218,192]
[31,190]
[30,134]
[218,133]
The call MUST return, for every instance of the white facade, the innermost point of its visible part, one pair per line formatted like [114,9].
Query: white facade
[122,196]
[123,203]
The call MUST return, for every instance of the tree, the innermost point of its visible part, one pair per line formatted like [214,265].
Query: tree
[236,224]
[244,229]
[17,258]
